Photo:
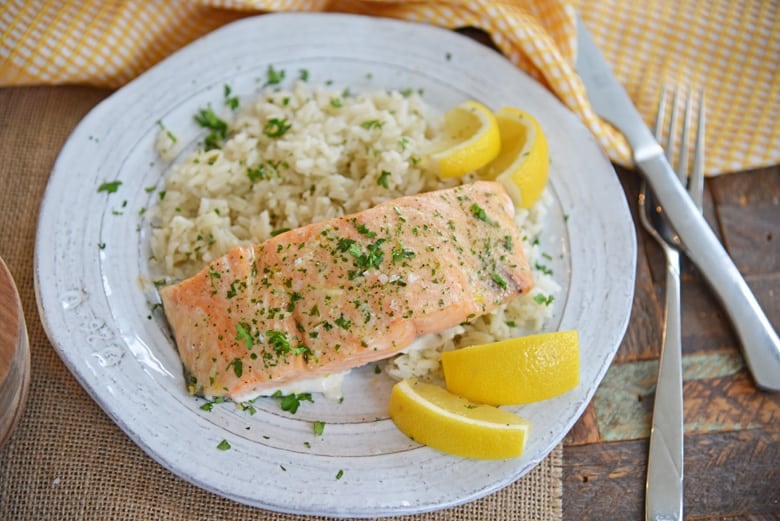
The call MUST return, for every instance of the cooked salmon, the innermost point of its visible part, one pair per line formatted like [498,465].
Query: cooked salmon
[345,292]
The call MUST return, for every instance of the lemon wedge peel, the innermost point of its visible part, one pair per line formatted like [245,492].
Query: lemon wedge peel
[431,415]
[523,165]
[470,139]
[515,371]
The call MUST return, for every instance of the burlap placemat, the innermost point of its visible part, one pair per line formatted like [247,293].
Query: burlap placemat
[67,459]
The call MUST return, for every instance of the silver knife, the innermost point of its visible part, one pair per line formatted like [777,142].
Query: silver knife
[760,343]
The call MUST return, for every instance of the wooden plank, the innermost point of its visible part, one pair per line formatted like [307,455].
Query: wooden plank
[727,476]
[729,404]
[767,290]
[705,325]
[759,186]
[586,430]
[752,236]
[719,396]
[643,335]
[733,474]
[604,481]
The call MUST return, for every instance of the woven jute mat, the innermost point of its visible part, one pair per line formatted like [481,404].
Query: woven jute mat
[66,459]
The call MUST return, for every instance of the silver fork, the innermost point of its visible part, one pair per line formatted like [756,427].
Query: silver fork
[664,486]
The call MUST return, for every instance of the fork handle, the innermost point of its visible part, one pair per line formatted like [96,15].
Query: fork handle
[664,488]
[760,343]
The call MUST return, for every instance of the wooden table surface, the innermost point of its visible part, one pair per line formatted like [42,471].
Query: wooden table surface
[732,430]
[732,444]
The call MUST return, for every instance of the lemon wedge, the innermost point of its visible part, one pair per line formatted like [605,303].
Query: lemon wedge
[432,416]
[515,371]
[470,139]
[524,162]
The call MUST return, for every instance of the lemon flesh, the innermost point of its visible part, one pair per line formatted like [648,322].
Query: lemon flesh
[434,417]
[515,371]
[469,140]
[523,165]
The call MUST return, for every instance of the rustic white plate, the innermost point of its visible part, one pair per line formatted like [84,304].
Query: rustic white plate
[96,302]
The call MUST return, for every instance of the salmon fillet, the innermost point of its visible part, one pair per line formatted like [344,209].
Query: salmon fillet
[345,292]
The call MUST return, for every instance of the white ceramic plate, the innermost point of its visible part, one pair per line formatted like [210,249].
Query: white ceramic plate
[97,309]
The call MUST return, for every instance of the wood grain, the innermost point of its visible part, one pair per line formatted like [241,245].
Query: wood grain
[727,476]
[643,336]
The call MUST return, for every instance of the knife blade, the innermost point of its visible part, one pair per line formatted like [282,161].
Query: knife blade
[760,342]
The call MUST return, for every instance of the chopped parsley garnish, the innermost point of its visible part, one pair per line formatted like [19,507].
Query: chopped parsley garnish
[480,214]
[167,132]
[343,322]
[279,342]
[209,406]
[294,297]
[102,245]
[243,333]
[382,181]
[303,74]
[365,261]
[339,474]
[318,427]
[238,367]
[400,254]
[223,445]
[206,118]
[407,92]
[150,189]
[344,245]
[498,280]
[336,103]
[231,102]
[508,242]
[372,123]
[274,76]
[109,187]
[303,351]
[363,229]
[543,299]
[256,174]
[274,233]
[544,269]
[291,402]
[213,274]
[276,127]
[267,170]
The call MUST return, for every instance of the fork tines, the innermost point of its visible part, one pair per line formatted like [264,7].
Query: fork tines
[691,177]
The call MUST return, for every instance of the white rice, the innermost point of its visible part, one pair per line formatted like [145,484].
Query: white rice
[335,159]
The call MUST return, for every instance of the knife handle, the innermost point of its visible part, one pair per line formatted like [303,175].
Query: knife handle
[760,343]
[664,486]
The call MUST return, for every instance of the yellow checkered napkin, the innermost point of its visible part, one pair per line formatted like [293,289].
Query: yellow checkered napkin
[730,48]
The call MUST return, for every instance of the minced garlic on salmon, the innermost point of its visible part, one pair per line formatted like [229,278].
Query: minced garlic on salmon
[345,292]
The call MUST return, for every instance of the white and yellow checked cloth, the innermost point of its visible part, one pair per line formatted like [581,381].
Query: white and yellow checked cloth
[731,48]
